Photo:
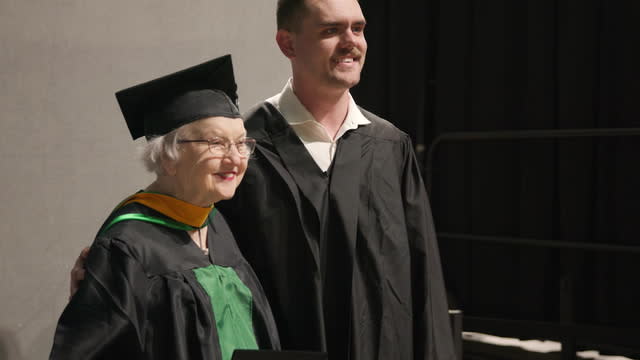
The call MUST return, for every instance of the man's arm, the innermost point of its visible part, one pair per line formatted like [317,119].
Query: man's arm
[433,339]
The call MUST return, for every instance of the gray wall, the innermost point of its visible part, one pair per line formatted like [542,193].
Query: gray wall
[67,157]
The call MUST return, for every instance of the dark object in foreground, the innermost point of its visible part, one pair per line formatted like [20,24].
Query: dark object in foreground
[277,355]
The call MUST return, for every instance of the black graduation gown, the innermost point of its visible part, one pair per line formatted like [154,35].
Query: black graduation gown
[363,280]
[141,300]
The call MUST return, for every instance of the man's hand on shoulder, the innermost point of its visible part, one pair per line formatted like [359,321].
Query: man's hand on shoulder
[77,272]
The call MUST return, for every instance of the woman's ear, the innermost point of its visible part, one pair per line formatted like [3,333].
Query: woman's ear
[169,166]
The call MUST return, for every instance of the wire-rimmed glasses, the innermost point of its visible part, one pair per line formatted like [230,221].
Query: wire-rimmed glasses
[220,147]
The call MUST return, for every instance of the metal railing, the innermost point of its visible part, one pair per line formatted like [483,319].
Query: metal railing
[475,136]
[565,331]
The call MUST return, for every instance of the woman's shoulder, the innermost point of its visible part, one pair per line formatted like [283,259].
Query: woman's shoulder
[157,248]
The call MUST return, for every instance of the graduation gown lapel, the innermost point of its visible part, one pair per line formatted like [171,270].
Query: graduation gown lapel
[306,174]
[297,164]
[340,241]
[344,187]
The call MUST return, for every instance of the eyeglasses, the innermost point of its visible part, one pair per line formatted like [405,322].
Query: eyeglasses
[220,147]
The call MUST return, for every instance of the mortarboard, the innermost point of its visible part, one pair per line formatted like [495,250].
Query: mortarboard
[161,105]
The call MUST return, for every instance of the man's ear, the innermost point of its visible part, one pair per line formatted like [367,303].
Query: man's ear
[285,38]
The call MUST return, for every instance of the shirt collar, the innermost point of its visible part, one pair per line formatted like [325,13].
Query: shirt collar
[295,113]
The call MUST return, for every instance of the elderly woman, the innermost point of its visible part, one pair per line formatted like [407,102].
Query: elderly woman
[164,277]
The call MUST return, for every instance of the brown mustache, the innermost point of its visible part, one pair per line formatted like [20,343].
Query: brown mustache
[349,52]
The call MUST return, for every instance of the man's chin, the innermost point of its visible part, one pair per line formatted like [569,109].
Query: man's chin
[345,82]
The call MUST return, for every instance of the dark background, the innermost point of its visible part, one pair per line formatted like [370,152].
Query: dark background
[439,66]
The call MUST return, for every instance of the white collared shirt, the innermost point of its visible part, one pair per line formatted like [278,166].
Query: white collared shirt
[312,134]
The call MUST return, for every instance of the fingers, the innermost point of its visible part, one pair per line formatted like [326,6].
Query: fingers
[77,272]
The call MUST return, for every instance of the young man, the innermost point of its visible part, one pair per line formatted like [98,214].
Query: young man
[332,213]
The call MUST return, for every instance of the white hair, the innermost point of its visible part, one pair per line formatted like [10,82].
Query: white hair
[159,148]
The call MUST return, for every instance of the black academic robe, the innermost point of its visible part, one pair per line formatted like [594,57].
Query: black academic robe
[141,300]
[348,258]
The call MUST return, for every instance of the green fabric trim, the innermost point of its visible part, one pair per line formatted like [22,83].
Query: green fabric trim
[152,219]
[232,307]
[141,217]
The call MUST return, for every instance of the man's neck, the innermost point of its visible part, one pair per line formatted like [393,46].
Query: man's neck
[328,108]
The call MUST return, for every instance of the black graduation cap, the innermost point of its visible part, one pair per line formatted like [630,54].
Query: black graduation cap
[159,106]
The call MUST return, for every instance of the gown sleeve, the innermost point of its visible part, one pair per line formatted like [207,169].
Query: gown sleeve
[432,334]
[101,320]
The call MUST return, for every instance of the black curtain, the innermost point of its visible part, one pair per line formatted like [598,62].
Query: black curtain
[439,66]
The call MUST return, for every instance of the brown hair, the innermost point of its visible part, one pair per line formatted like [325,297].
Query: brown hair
[290,13]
